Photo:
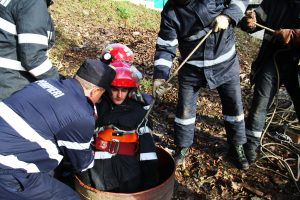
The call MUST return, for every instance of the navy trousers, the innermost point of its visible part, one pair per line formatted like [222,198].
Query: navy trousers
[18,185]
[191,79]
[266,83]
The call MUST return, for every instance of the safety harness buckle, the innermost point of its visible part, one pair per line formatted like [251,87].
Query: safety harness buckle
[114,146]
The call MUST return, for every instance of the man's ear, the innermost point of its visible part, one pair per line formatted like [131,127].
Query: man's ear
[95,94]
[96,91]
[100,91]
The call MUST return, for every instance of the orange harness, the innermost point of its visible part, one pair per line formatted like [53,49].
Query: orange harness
[116,142]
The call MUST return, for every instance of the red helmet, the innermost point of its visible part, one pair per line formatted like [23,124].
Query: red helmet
[117,64]
[124,77]
[116,52]
[136,73]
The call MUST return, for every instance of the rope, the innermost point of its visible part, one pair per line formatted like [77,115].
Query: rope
[188,57]
[175,73]
[264,27]
[283,141]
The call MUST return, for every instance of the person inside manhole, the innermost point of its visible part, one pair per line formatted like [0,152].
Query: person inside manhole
[125,156]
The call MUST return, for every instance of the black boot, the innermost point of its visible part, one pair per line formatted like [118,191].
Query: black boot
[250,152]
[180,154]
[236,152]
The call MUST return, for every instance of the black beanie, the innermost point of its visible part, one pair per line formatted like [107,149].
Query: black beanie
[96,72]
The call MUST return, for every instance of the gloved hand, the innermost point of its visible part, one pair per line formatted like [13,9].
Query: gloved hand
[160,87]
[250,19]
[221,22]
[288,36]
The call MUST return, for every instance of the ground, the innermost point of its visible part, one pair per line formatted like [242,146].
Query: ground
[207,174]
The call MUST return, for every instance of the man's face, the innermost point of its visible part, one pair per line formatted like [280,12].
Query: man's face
[118,94]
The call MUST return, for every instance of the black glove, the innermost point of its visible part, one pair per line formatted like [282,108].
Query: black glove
[248,22]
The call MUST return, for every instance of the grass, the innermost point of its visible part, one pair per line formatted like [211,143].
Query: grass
[99,11]
[146,84]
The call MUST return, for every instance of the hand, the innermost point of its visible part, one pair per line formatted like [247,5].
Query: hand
[160,87]
[288,36]
[249,19]
[220,23]
[283,35]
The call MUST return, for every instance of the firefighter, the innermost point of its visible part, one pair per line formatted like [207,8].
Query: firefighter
[125,156]
[279,51]
[26,34]
[44,122]
[184,23]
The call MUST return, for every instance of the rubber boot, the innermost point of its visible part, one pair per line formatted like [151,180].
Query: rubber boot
[236,152]
[180,154]
[250,148]
[250,152]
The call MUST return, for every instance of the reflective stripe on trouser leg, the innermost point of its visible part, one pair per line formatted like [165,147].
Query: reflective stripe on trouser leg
[253,139]
[232,108]
[185,115]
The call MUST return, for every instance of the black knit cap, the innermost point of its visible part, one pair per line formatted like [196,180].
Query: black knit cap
[96,72]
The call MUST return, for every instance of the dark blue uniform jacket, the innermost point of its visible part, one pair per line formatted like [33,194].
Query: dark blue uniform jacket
[47,120]
[185,26]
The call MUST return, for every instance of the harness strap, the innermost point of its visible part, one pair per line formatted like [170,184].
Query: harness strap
[116,147]
[110,134]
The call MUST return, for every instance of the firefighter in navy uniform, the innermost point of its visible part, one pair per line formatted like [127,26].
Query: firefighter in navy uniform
[26,34]
[184,23]
[125,156]
[279,51]
[44,122]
